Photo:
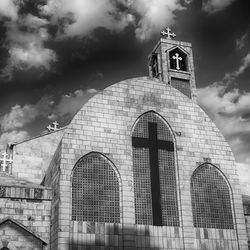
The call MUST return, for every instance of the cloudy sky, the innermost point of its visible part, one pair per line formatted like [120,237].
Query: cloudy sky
[56,54]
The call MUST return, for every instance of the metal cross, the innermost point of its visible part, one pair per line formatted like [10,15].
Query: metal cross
[55,123]
[5,161]
[177,59]
[54,127]
[167,32]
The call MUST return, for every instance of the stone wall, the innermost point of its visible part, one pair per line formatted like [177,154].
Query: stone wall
[33,214]
[123,236]
[51,179]
[247,219]
[246,205]
[31,158]
[104,124]
[13,237]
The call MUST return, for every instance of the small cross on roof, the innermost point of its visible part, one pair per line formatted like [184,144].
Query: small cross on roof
[5,161]
[53,127]
[167,33]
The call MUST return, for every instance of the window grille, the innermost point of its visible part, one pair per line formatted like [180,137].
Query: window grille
[95,190]
[182,85]
[154,172]
[211,201]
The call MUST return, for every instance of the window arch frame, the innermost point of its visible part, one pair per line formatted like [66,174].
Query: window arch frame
[230,191]
[176,166]
[117,174]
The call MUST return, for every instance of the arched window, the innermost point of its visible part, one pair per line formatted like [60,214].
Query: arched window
[154,172]
[95,190]
[154,65]
[211,200]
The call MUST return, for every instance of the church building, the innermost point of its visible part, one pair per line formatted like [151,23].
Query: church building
[140,166]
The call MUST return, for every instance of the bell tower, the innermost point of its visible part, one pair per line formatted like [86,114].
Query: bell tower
[171,61]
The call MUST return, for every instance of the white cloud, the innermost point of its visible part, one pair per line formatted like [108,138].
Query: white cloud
[68,105]
[80,17]
[25,38]
[9,9]
[244,176]
[72,102]
[244,65]
[19,116]
[230,110]
[154,15]
[27,34]
[231,77]
[52,117]
[213,6]
[10,137]
[240,42]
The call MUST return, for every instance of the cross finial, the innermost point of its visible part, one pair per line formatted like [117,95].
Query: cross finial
[4,162]
[167,33]
[54,126]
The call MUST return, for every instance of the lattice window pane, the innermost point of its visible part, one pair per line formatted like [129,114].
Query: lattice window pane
[144,167]
[170,214]
[182,85]
[211,202]
[143,199]
[95,191]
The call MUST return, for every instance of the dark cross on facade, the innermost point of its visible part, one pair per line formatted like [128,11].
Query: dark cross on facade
[167,33]
[177,58]
[54,127]
[154,145]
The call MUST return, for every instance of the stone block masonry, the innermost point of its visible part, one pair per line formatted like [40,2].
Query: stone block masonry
[35,155]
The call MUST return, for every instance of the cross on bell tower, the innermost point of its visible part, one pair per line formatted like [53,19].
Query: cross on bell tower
[168,34]
[174,63]
[177,58]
